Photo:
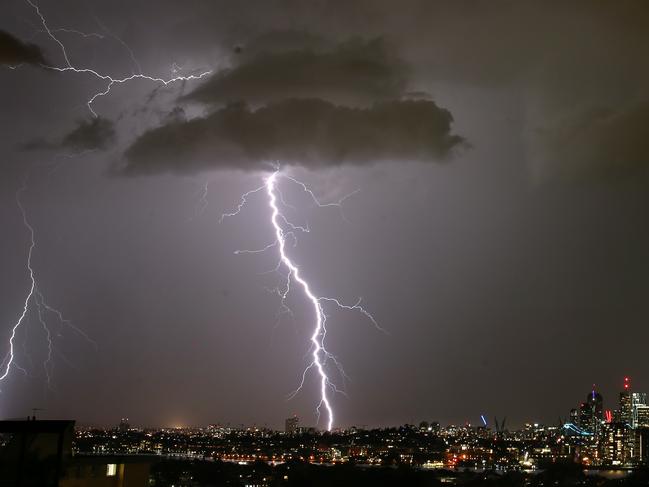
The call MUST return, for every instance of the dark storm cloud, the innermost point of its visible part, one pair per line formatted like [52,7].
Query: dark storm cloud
[97,133]
[305,132]
[284,65]
[470,266]
[13,51]
[601,144]
[280,41]
[94,134]
[321,103]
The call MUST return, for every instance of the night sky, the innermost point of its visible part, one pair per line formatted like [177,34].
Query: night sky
[500,235]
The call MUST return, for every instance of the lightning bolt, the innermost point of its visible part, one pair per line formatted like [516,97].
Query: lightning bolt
[36,298]
[9,360]
[109,80]
[283,229]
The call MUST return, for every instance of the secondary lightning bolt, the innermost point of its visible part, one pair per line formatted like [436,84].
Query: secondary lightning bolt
[320,356]
[9,359]
[34,296]
[110,81]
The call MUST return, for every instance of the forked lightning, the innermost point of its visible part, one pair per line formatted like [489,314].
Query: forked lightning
[283,229]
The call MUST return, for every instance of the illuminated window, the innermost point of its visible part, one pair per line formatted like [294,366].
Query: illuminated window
[111,470]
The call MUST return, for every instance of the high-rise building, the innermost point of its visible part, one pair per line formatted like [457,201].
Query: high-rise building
[638,400]
[641,416]
[626,412]
[591,412]
[626,419]
[612,443]
[291,425]
[641,456]
[584,416]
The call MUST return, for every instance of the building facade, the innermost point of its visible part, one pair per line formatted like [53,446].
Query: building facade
[292,425]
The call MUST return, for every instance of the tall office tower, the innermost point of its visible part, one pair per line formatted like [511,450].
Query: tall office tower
[291,425]
[641,416]
[591,412]
[612,447]
[626,414]
[626,419]
[638,400]
[584,417]
[641,446]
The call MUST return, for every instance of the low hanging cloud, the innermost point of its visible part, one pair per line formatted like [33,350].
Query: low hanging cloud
[310,133]
[305,101]
[95,134]
[354,72]
[13,51]
[281,41]
[98,133]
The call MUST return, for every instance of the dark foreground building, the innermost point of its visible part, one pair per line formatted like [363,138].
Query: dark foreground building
[37,453]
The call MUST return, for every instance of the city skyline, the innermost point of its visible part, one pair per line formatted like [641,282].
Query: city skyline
[590,438]
[468,182]
[608,406]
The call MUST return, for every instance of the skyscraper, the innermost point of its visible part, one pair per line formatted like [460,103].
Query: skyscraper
[641,446]
[291,425]
[641,416]
[626,422]
[638,400]
[626,413]
[591,411]
[612,444]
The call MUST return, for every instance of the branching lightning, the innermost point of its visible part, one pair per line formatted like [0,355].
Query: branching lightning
[109,80]
[284,229]
[285,233]
[34,298]
[9,360]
